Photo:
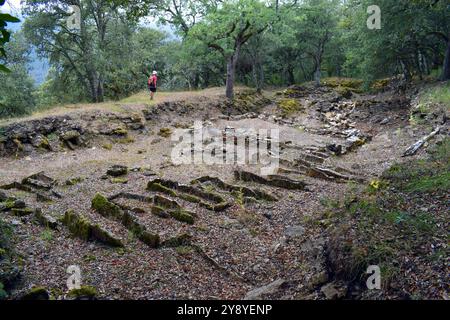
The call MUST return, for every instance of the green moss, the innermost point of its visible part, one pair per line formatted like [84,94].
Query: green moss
[125,140]
[119,180]
[150,239]
[19,144]
[380,84]
[104,236]
[82,228]
[120,131]
[182,215]
[83,292]
[221,206]
[52,136]
[78,225]
[44,144]
[289,106]
[22,212]
[184,250]
[47,235]
[345,92]
[179,240]
[155,186]
[107,146]
[335,82]
[106,208]
[190,198]
[160,212]
[165,132]
[74,181]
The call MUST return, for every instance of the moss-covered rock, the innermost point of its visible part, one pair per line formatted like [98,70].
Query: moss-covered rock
[273,180]
[45,220]
[42,143]
[164,202]
[160,212]
[74,181]
[335,82]
[18,144]
[82,228]
[150,239]
[22,212]
[179,240]
[380,84]
[182,215]
[165,132]
[71,135]
[36,293]
[156,186]
[119,180]
[106,208]
[78,225]
[120,131]
[83,293]
[289,106]
[12,203]
[103,236]
[347,93]
[107,146]
[117,170]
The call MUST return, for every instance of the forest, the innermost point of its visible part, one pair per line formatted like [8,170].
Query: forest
[192,150]
[214,43]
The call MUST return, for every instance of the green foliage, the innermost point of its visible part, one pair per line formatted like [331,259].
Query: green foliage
[83,292]
[438,94]
[432,175]
[5,34]
[47,235]
[289,106]
[16,91]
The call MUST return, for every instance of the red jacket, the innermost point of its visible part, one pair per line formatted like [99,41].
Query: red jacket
[152,80]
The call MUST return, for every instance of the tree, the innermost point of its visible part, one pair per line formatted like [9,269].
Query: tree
[317,24]
[81,52]
[412,40]
[4,33]
[16,97]
[228,28]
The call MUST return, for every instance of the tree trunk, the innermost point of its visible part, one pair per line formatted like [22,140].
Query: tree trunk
[317,74]
[446,68]
[231,72]
[290,74]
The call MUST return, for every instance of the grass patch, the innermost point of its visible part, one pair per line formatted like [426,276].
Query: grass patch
[47,235]
[423,176]
[438,94]
[400,215]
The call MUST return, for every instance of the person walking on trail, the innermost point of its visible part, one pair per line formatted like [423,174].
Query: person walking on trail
[152,83]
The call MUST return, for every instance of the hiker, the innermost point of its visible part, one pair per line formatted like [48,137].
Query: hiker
[152,84]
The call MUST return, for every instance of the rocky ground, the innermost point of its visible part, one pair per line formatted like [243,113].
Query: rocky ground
[98,189]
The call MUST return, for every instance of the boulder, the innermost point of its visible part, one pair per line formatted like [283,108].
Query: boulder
[45,219]
[117,170]
[82,228]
